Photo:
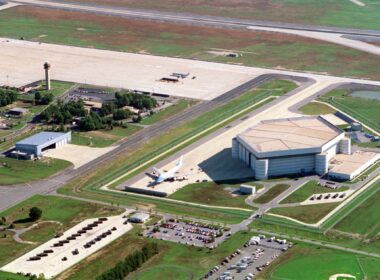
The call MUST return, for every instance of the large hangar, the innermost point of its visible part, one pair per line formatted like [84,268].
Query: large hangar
[301,145]
[42,141]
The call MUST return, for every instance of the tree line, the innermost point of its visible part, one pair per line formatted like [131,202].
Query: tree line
[106,117]
[7,96]
[130,263]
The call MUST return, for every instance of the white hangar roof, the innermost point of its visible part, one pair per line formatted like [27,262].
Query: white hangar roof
[286,136]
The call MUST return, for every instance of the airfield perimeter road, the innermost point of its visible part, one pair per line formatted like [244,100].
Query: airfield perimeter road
[11,195]
[343,36]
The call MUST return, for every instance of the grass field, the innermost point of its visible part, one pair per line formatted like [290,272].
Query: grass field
[211,193]
[314,263]
[323,12]
[67,212]
[271,194]
[204,43]
[182,105]
[365,110]
[13,171]
[103,138]
[365,218]
[307,190]
[308,213]
[314,108]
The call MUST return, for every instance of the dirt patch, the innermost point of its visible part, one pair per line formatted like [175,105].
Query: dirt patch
[101,134]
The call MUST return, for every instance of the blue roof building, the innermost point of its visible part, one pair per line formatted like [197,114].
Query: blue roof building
[42,141]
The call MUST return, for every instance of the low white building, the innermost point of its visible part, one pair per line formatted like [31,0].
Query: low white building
[301,145]
[139,217]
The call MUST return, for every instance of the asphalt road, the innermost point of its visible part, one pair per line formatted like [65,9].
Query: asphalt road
[191,19]
[11,195]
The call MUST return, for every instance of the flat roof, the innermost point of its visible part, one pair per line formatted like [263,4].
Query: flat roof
[290,134]
[140,216]
[41,138]
[348,164]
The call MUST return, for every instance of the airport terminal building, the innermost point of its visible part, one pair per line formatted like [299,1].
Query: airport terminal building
[301,145]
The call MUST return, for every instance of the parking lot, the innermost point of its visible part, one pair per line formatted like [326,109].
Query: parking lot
[188,233]
[247,262]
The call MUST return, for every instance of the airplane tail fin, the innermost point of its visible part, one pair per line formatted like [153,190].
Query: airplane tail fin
[180,161]
[158,171]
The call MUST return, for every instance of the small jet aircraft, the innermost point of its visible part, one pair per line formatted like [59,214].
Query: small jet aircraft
[163,176]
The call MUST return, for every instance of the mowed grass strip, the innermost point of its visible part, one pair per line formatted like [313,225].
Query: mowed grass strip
[13,171]
[365,220]
[272,193]
[308,213]
[211,193]
[166,113]
[204,43]
[314,108]
[310,188]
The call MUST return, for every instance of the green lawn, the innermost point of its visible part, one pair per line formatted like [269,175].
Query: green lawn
[258,48]
[13,171]
[211,193]
[365,110]
[272,193]
[10,276]
[308,213]
[307,190]
[314,108]
[314,263]
[103,138]
[68,212]
[168,112]
[365,220]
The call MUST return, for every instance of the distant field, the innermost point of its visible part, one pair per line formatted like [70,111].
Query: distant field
[324,12]
[257,48]
[365,110]
[365,219]
[271,194]
[314,263]
[307,214]
[13,171]
[307,190]
[212,194]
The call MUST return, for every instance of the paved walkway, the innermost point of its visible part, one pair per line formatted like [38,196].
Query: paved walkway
[19,232]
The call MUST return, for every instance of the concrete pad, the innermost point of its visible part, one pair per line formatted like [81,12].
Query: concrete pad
[115,69]
[53,264]
[78,155]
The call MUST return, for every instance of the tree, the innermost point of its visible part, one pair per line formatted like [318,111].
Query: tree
[35,213]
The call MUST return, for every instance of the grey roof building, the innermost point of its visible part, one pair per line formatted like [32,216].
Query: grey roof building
[42,141]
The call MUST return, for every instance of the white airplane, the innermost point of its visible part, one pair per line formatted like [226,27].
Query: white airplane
[162,176]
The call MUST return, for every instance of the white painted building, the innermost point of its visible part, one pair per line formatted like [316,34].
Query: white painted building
[301,145]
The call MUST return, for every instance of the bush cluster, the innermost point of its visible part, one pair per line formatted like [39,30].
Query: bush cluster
[130,263]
